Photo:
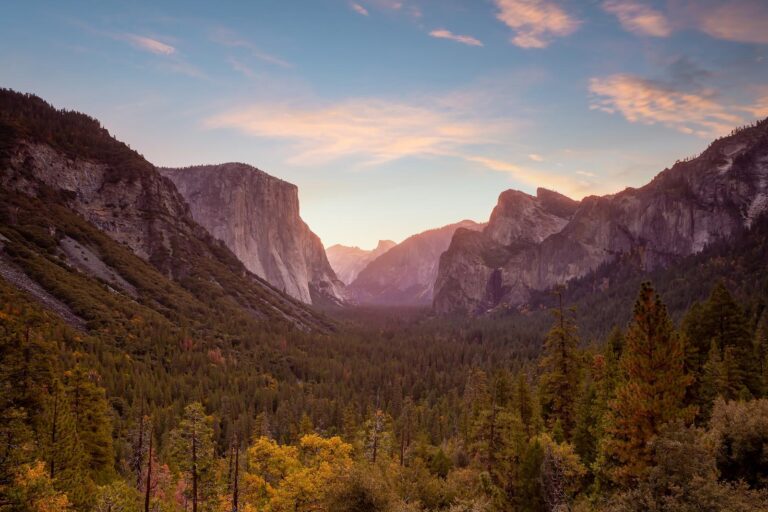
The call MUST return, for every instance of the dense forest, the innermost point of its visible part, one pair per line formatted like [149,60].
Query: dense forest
[396,415]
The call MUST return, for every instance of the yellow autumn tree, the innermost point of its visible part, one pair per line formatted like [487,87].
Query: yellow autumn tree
[33,490]
[294,478]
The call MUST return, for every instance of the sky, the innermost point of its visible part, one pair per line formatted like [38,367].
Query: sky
[397,116]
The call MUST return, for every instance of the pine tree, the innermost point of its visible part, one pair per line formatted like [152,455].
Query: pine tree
[405,427]
[559,382]
[349,423]
[761,352]
[477,398]
[524,403]
[305,425]
[192,452]
[724,321]
[61,446]
[261,426]
[652,393]
[92,421]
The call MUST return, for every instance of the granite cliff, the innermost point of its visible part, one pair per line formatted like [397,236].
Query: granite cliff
[257,216]
[536,243]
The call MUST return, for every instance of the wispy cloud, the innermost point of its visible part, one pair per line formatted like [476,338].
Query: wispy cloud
[442,33]
[359,9]
[573,186]
[535,22]
[371,130]
[244,69]
[639,18]
[226,37]
[733,20]
[150,45]
[640,100]
[535,157]
[760,108]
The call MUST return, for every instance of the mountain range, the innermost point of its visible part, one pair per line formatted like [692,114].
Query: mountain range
[405,274]
[348,261]
[534,243]
[230,238]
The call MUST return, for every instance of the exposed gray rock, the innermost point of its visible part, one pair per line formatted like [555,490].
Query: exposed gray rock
[89,262]
[16,277]
[536,243]
[347,261]
[405,274]
[257,216]
[144,212]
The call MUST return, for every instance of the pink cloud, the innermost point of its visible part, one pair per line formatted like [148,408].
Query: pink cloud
[447,34]
[150,45]
[535,22]
[645,101]
[373,130]
[359,9]
[226,37]
[639,18]
[734,20]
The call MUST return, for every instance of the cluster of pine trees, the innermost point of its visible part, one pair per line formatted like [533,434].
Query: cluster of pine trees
[656,417]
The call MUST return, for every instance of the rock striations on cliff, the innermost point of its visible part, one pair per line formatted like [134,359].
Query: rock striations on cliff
[257,216]
[534,243]
[347,261]
[405,274]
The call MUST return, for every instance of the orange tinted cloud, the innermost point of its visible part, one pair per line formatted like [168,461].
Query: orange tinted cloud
[359,9]
[576,185]
[226,37]
[735,20]
[447,34]
[535,22]
[649,102]
[639,18]
[372,130]
[150,45]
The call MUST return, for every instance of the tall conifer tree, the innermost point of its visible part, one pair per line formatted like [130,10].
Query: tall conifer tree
[652,392]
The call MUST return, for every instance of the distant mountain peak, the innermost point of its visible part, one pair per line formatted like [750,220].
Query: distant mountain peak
[405,274]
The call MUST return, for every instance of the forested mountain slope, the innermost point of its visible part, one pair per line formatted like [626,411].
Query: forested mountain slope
[58,167]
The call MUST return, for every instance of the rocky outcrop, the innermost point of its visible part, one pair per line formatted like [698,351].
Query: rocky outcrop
[405,274]
[347,261]
[533,244]
[143,211]
[257,216]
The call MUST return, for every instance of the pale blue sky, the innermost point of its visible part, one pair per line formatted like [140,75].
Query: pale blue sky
[396,116]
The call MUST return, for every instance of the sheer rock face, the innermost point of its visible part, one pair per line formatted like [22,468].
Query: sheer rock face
[536,243]
[347,261]
[406,273]
[257,216]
